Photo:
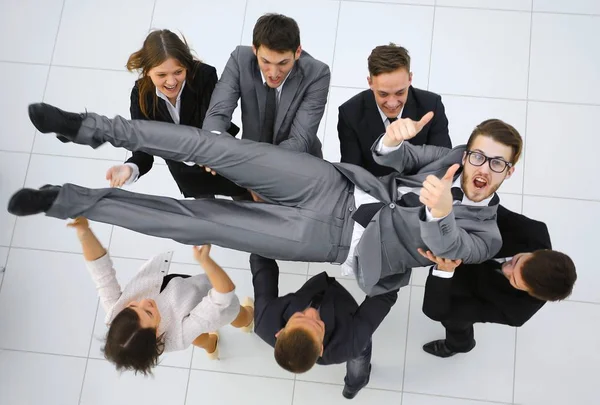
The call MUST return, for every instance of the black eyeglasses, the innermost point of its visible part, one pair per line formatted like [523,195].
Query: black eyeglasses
[496,164]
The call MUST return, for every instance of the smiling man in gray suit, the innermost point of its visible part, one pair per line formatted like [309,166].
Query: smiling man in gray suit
[283,90]
[316,211]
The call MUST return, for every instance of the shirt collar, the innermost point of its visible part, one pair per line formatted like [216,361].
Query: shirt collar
[161,94]
[282,83]
[384,117]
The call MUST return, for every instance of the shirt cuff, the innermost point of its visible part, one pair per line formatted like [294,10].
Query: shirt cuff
[384,150]
[429,216]
[441,274]
[221,298]
[135,173]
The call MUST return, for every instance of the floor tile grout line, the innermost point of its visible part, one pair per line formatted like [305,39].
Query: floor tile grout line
[12,235]
[477,8]
[515,367]
[236,373]
[446,94]
[406,336]
[523,166]
[567,13]
[293,391]
[71,156]
[483,401]
[87,359]
[101,69]
[146,258]
[74,356]
[244,22]
[152,16]
[187,386]
[526,109]
[328,105]
[431,45]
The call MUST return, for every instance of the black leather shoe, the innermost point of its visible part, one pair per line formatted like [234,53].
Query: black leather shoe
[47,118]
[28,201]
[440,349]
[349,394]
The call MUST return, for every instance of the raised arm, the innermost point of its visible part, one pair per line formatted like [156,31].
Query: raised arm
[225,96]
[303,133]
[208,315]
[98,263]
[391,150]
[265,279]
[369,316]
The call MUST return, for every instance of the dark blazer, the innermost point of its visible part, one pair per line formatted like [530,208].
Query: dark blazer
[478,292]
[193,181]
[348,326]
[360,124]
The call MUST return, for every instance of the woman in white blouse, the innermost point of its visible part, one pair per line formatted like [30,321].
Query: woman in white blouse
[156,312]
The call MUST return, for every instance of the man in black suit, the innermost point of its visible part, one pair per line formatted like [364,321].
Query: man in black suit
[508,290]
[364,117]
[320,323]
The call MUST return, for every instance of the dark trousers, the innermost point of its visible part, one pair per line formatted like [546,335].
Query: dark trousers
[358,370]
[459,335]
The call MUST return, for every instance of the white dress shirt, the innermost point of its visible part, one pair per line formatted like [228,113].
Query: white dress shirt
[385,119]
[449,274]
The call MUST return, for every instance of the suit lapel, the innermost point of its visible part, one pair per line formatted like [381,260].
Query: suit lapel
[188,106]
[261,94]
[288,93]
[371,124]
[410,108]
[163,111]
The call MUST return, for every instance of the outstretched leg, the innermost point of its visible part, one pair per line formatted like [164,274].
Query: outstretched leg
[274,231]
[276,174]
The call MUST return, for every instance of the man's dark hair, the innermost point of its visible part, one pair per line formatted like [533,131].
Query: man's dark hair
[388,59]
[500,132]
[550,275]
[276,32]
[296,350]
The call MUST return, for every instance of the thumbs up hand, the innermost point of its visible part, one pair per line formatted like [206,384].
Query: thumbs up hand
[436,193]
[404,129]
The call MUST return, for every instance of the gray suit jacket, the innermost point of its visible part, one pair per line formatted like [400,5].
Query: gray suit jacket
[387,250]
[300,108]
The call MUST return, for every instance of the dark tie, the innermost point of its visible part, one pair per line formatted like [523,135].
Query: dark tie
[392,119]
[316,301]
[411,199]
[366,212]
[269,122]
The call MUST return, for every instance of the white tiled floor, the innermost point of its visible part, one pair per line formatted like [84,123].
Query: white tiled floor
[534,63]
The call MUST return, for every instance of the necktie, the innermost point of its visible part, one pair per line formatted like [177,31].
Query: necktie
[411,199]
[269,122]
[316,301]
[366,212]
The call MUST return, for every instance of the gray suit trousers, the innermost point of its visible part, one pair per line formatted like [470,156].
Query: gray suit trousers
[307,217]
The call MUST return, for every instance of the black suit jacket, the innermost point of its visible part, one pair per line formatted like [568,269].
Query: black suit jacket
[193,181]
[360,124]
[478,292]
[348,326]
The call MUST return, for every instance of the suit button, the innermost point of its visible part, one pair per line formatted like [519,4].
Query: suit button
[392,205]
[351,209]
